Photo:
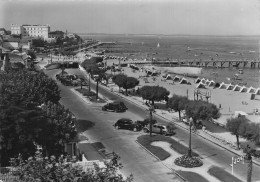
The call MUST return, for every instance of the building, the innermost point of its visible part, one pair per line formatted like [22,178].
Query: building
[2,31]
[31,30]
[16,29]
[36,31]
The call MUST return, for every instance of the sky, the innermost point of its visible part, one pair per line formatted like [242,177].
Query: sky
[169,17]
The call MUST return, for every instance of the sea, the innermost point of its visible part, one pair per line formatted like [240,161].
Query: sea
[183,47]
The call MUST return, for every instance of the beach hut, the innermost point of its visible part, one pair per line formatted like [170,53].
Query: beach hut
[168,77]
[223,86]
[200,85]
[198,80]
[236,88]
[251,90]
[243,89]
[183,81]
[211,83]
[230,86]
[176,78]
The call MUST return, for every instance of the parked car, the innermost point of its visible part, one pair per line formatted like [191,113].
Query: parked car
[126,123]
[160,129]
[115,106]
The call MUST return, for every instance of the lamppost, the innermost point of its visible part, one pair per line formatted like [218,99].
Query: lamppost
[89,81]
[97,80]
[151,109]
[189,151]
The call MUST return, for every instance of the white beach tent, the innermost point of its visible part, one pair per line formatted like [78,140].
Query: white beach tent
[237,113]
[168,77]
[236,88]
[207,82]
[243,89]
[203,80]
[251,90]
[176,78]
[183,81]
[200,85]
[257,92]
[197,80]
[211,83]
[223,85]
[230,86]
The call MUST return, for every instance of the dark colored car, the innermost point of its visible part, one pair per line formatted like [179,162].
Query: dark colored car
[115,106]
[126,123]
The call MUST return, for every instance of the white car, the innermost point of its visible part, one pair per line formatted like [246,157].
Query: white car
[159,128]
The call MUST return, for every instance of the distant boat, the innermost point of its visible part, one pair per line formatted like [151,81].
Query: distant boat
[158,45]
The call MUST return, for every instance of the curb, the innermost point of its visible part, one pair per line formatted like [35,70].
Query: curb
[148,151]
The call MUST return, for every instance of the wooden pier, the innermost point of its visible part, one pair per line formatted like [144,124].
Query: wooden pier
[210,64]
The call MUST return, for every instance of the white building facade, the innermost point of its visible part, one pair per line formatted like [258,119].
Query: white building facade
[16,29]
[31,30]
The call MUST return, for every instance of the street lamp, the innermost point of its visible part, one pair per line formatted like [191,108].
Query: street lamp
[189,151]
[151,109]
[97,80]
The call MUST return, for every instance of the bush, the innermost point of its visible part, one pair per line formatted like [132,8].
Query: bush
[188,162]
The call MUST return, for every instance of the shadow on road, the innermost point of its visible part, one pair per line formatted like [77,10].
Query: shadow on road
[83,125]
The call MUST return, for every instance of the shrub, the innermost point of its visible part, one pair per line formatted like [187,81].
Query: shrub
[188,162]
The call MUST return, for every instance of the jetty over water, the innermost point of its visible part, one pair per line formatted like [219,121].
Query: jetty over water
[212,64]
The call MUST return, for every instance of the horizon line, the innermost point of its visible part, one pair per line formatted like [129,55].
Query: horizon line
[126,34]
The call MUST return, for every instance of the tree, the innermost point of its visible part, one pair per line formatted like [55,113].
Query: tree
[24,87]
[41,168]
[60,129]
[237,126]
[120,80]
[154,93]
[177,103]
[38,43]
[19,129]
[199,110]
[131,82]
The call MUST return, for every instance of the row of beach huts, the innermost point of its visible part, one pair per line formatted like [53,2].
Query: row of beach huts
[202,83]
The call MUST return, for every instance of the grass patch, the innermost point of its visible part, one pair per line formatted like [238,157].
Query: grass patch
[222,175]
[90,95]
[146,141]
[192,177]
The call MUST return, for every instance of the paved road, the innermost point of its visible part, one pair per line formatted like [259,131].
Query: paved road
[135,160]
[123,141]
